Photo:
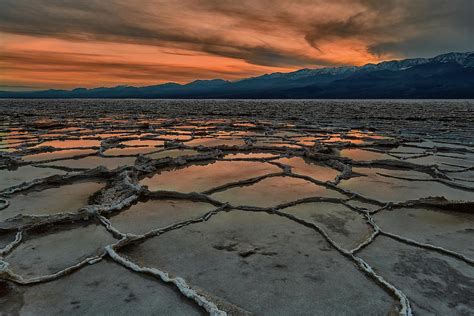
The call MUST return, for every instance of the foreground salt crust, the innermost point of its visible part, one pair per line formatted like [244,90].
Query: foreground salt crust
[189,213]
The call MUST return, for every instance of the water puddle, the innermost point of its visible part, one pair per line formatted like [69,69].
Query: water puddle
[250,156]
[448,163]
[129,151]
[363,155]
[342,224]
[9,178]
[450,230]
[144,142]
[146,216]
[60,154]
[76,143]
[422,274]
[213,142]
[199,178]
[64,199]
[174,137]
[119,288]
[173,153]
[274,191]
[51,251]
[397,190]
[304,167]
[93,162]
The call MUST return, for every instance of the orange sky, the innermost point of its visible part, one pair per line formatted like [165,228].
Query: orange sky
[91,43]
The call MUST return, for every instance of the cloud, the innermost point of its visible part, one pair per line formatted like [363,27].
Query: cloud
[188,24]
[61,63]
[429,28]
[263,33]
[404,28]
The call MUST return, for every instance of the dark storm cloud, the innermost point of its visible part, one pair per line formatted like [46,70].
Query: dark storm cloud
[417,27]
[122,22]
[388,26]
[433,27]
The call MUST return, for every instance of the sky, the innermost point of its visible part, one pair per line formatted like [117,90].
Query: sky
[94,43]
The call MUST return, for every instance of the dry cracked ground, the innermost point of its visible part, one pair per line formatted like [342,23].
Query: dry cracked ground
[283,208]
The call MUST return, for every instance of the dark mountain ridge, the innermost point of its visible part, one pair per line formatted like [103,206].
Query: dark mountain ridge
[445,76]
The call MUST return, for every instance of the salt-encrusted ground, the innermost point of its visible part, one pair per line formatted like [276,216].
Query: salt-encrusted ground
[237,207]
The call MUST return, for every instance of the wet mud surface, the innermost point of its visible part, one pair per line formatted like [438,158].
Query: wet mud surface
[238,208]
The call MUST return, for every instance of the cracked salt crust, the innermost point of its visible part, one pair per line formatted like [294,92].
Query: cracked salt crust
[390,213]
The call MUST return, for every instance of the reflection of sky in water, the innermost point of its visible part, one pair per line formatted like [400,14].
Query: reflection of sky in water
[198,178]
[72,197]
[10,178]
[305,167]
[3,142]
[389,189]
[273,191]
[71,143]
[363,155]
[213,133]
[57,154]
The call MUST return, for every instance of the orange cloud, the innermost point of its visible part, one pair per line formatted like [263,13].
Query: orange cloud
[71,43]
[46,62]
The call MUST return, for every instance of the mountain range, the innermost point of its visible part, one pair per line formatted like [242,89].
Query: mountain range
[449,75]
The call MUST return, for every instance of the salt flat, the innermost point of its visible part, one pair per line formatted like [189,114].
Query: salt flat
[236,207]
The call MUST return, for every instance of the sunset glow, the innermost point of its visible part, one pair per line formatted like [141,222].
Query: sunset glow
[66,44]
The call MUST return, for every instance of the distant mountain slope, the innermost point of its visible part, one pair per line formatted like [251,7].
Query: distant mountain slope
[445,76]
